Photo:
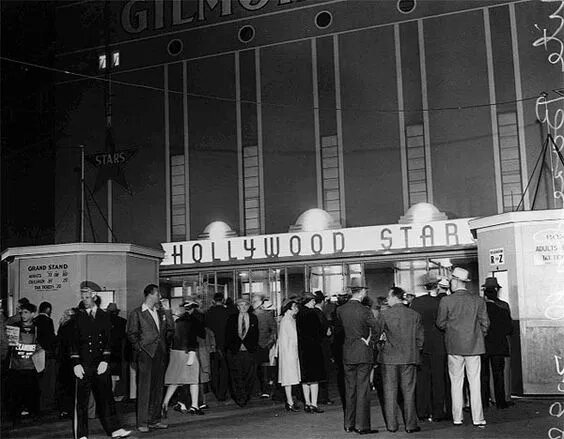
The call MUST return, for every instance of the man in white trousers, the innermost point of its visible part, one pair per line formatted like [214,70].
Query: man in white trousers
[464,318]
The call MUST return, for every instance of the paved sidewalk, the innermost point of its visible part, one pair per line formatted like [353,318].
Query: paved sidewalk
[528,419]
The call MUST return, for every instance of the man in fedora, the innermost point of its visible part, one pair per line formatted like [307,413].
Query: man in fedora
[497,344]
[464,318]
[148,330]
[90,356]
[431,375]
[241,343]
[358,325]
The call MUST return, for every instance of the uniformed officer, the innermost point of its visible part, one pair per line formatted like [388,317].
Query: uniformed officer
[90,354]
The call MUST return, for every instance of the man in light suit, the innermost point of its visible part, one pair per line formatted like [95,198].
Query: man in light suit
[241,343]
[399,357]
[464,318]
[359,325]
[148,330]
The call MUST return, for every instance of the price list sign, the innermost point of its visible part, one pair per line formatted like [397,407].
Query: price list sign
[47,276]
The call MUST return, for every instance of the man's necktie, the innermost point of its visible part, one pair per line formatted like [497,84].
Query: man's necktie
[243,327]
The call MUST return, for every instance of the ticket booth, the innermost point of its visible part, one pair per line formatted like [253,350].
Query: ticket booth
[53,273]
[525,252]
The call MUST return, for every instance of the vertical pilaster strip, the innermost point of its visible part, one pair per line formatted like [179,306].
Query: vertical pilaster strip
[167,155]
[259,140]
[316,123]
[239,144]
[401,119]
[519,103]
[493,111]
[186,148]
[110,210]
[425,103]
[336,63]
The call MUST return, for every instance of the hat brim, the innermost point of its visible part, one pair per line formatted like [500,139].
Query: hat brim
[189,304]
[357,287]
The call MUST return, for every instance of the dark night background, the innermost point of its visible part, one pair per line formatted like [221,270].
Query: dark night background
[28,129]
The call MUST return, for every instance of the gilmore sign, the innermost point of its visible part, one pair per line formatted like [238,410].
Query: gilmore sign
[371,240]
[140,15]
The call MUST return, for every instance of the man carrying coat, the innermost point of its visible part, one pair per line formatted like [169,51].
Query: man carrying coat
[399,357]
[464,318]
[359,325]
[148,330]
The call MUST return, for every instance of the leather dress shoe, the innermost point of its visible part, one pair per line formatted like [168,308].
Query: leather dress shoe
[350,429]
[158,426]
[367,431]
[413,430]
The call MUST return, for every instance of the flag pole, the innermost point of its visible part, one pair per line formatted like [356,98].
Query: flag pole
[81,193]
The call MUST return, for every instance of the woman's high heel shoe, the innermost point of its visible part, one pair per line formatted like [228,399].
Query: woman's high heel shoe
[292,408]
[195,411]
[180,408]
[315,409]
[307,408]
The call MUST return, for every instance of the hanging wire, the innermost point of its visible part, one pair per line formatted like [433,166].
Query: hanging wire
[262,103]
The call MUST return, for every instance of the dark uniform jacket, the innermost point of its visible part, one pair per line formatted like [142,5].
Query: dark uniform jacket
[427,306]
[357,322]
[404,335]
[500,327]
[232,340]
[91,339]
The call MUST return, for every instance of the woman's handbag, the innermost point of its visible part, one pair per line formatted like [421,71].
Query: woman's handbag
[38,358]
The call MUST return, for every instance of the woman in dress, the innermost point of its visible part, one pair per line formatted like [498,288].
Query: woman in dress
[184,367]
[312,367]
[288,360]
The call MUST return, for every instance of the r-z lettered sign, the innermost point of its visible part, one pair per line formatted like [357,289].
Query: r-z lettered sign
[497,256]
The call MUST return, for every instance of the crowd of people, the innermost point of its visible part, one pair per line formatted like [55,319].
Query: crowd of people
[428,357]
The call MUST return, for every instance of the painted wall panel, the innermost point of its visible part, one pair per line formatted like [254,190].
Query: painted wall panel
[138,120]
[288,133]
[538,75]
[370,141]
[213,144]
[461,144]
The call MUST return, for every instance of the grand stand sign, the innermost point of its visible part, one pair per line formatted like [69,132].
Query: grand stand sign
[330,243]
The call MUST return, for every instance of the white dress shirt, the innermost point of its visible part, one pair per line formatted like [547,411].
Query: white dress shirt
[153,313]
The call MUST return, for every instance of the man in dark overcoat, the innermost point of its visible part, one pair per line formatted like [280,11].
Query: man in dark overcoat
[358,326]
[431,375]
